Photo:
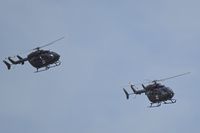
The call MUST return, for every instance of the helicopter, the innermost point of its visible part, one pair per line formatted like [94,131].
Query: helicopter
[42,60]
[156,92]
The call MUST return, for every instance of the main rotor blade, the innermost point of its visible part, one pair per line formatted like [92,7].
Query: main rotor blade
[37,48]
[148,82]
[172,77]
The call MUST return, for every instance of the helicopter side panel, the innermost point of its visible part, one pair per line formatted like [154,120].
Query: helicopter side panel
[36,62]
[153,95]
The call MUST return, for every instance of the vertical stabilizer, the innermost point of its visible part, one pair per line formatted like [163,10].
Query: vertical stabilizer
[7,64]
[126,93]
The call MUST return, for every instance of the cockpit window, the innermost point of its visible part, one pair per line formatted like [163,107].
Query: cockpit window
[164,89]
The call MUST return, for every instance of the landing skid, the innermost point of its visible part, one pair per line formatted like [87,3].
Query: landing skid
[48,67]
[171,101]
[152,105]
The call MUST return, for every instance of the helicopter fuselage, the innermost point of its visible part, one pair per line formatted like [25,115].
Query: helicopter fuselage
[38,59]
[159,93]
[42,58]
[156,92]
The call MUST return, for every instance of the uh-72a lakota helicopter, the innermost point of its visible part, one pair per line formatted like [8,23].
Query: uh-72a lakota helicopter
[156,92]
[38,58]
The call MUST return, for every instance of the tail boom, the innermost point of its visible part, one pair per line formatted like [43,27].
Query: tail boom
[19,61]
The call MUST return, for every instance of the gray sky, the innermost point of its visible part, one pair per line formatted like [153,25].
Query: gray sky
[107,44]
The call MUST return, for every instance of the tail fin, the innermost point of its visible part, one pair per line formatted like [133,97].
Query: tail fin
[20,58]
[7,64]
[135,91]
[126,93]
[12,61]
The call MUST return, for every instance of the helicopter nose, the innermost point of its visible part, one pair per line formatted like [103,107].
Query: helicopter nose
[56,56]
[171,93]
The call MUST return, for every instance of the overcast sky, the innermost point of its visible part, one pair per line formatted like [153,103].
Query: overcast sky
[107,44]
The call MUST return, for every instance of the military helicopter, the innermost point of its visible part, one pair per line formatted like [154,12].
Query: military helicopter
[155,91]
[40,59]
